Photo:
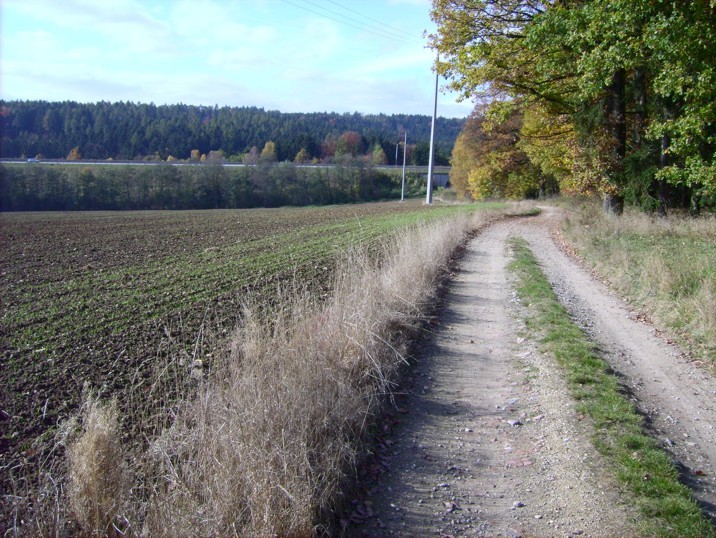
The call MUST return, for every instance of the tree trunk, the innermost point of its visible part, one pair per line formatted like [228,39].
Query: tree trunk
[695,208]
[640,108]
[663,188]
[616,114]
[613,204]
[663,162]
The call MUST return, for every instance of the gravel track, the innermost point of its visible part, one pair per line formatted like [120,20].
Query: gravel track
[490,443]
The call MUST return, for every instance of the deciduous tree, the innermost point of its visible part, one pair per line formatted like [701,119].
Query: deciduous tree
[251,156]
[488,161]
[302,157]
[349,143]
[74,154]
[268,154]
[631,77]
[378,156]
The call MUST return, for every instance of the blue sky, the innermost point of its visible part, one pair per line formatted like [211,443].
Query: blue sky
[364,56]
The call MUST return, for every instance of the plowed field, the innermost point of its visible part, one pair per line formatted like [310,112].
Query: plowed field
[108,298]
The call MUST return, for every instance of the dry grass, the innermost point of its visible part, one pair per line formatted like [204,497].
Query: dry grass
[666,266]
[89,496]
[36,502]
[268,442]
[271,440]
[97,477]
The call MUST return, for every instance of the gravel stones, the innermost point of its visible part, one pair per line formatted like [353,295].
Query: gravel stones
[449,481]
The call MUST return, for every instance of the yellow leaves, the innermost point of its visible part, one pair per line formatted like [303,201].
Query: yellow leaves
[302,156]
[74,154]
[487,161]
[548,141]
[528,151]
[378,157]
[269,151]
[480,181]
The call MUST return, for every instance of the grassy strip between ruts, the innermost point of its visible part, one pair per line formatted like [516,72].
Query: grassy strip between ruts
[638,461]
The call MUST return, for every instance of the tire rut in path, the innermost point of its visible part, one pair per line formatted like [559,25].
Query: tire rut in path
[677,398]
[491,444]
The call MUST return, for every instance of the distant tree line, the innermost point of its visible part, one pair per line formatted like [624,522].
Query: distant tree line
[38,187]
[129,131]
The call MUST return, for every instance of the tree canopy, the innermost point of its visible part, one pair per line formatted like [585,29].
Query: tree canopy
[617,96]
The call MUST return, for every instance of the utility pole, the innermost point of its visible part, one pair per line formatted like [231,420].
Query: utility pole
[397,145]
[405,151]
[429,195]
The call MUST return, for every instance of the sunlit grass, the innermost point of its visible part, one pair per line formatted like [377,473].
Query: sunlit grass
[666,267]
[637,460]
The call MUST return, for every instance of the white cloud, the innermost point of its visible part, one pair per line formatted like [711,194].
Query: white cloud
[245,59]
[32,44]
[227,52]
[123,22]
[395,64]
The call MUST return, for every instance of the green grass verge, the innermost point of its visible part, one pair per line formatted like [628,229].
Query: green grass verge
[527,212]
[619,434]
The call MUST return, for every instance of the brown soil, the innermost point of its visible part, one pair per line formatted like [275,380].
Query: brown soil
[489,442]
[124,301]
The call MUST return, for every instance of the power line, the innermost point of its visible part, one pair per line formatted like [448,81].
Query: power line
[393,28]
[354,23]
[392,32]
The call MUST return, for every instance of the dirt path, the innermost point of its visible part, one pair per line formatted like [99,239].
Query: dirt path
[491,444]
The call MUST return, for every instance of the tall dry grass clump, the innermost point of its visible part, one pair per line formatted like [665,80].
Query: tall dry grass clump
[271,440]
[667,266]
[97,480]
